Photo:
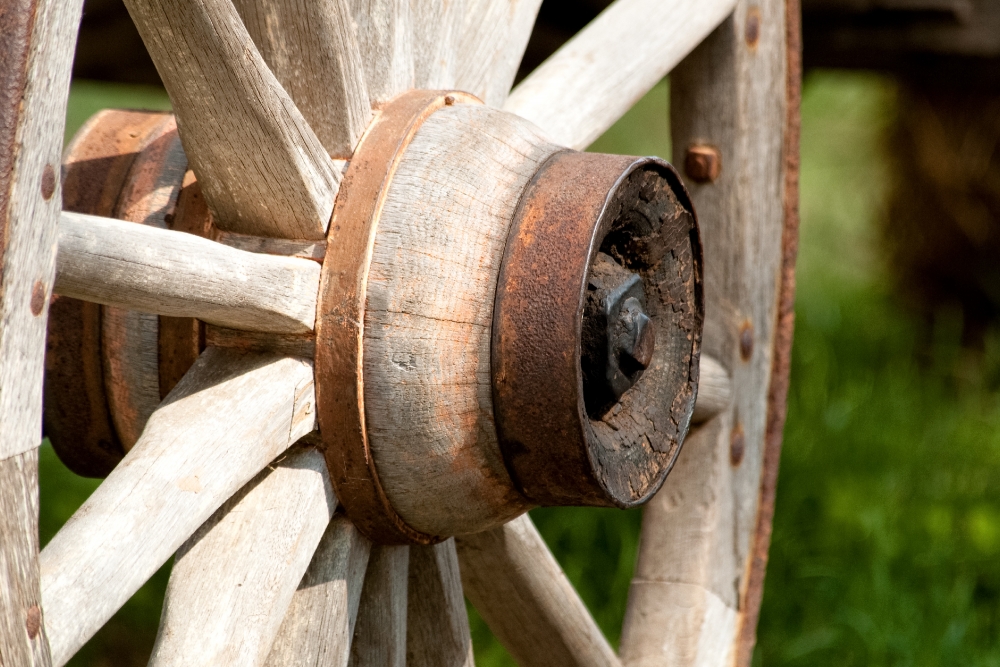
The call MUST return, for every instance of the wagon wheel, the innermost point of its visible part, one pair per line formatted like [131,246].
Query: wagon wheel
[469,326]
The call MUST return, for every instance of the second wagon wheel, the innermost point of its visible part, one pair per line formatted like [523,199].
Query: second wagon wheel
[377,306]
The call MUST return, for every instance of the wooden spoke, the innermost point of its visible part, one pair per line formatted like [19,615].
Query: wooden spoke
[385,36]
[313,51]
[233,580]
[165,272]
[514,581]
[437,26]
[230,416]
[437,632]
[320,621]
[36,52]
[704,539]
[715,390]
[598,75]
[262,168]
[380,632]
[493,40]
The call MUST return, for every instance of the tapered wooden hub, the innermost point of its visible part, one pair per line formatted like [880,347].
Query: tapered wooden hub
[460,379]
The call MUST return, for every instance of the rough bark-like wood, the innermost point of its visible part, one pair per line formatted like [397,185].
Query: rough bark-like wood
[689,601]
[37,38]
[428,395]
[313,50]
[172,273]
[385,37]
[262,168]
[380,633]
[517,586]
[591,81]
[232,582]
[320,621]
[230,416]
[715,390]
[492,43]
[437,625]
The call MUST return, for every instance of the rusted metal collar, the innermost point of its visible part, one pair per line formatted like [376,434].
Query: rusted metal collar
[341,314]
[636,213]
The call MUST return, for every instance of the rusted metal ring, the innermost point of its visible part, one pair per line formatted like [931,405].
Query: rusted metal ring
[637,212]
[340,404]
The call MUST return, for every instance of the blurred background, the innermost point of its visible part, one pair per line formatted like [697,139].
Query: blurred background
[886,545]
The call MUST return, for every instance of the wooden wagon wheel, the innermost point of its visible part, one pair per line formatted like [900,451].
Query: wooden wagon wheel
[410,258]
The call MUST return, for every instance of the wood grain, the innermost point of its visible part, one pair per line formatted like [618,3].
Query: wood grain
[320,621]
[436,26]
[440,240]
[593,79]
[36,49]
[233,580]
[437,625]
[515,583]
[313,50]
[380,633]
[263,169]
[494,36]
[698,537]
[230,416]
[172,273]
[385,38]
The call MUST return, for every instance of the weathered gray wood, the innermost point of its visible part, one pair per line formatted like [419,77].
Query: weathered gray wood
[233,580]
[491,46]
[447,212]
[313,50]
[172,273]
[262,168]
[23,639]
[320,621]
[437,630]
[385,37]
[230,416]
[597,76]
[437,26]
[517,586]
[715,390]
[695,595]
[380,633]
[36,52]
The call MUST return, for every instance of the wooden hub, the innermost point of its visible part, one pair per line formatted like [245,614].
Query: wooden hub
[501,322]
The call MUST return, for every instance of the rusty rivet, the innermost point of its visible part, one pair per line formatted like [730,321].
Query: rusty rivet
[737,445]
[37,298]
[33,621]
[752,30]
[746,341]
[48,182]
[703,163]
[449,100]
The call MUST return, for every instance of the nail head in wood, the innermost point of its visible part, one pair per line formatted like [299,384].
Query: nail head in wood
[48,182]
[737,445]
[38,293]
[746,341]
[33,621]
[703,163]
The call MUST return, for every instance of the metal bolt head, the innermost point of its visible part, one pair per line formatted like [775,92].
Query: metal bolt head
[618,337]
[703,163]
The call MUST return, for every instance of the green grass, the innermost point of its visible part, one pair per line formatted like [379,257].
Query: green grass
[886,547]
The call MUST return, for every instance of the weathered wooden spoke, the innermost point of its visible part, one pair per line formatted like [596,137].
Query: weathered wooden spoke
[486,321]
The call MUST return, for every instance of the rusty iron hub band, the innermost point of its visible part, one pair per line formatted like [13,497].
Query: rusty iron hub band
[116,160]
[580,208]
[341,313]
